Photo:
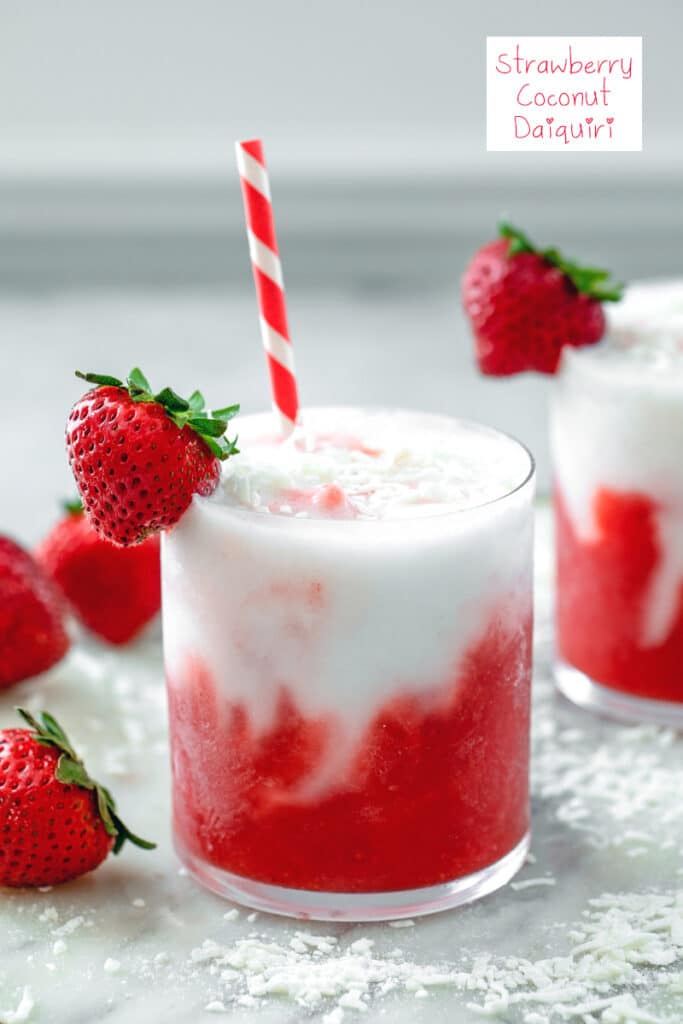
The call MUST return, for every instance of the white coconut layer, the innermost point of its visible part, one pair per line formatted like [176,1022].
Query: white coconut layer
[617,423]
[345,614]
[387,464]
[650,315]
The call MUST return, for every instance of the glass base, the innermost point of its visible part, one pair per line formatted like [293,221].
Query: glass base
[342,906]
[584,691]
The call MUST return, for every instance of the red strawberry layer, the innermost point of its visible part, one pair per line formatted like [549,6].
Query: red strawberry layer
[602,586]
[437,789]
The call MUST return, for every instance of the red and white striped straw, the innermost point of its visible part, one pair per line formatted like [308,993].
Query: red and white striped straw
[270,289]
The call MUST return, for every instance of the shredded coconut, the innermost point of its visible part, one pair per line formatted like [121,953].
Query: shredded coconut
[69,927]
[388,465]
[23,1012]
[620,792]
[622,941]
[529,883]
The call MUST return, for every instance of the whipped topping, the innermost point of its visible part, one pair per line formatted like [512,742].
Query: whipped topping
[351,464]
[647,360]
[647,324]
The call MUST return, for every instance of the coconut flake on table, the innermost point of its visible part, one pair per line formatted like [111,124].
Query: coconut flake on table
[622,941]
[69,927]
[606,791]
[623,793]
[530,883]
[23,1012]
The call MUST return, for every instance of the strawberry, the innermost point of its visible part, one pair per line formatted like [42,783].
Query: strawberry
[56,822]
[114,591]
[32,612]
[526,304]
[139,457]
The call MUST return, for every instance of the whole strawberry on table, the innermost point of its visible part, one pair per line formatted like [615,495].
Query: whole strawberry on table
[56,822]
[138,458]
[526,304]
[113,591]
[33,634]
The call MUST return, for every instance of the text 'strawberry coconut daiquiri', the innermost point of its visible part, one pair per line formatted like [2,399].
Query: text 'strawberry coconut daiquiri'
[617,438]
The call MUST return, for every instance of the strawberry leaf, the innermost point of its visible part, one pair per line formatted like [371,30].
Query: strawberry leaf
[592,281]
[185,412]
[29,719]
[214,446]
[171,401]
[519,242]
[73,506]
[228,413]
[212,428]
[137,380]
[71,771]
[54,729]
[105,809]
[101,379]
[123,833]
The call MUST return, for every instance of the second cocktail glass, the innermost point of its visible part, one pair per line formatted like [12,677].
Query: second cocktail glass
[617,439]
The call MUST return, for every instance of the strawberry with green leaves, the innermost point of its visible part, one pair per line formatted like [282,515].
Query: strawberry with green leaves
[114,591]
[526,304]
[56,822]
[139,457]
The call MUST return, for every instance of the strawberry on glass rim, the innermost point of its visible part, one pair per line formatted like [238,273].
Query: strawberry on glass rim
[139,457]
[56,822]
[526,304]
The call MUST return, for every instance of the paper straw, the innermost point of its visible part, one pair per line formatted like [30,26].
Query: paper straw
[270,289]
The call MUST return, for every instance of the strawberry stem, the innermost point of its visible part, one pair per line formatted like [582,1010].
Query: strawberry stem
[71,771]
[185,412]
[591,281]
[73,506]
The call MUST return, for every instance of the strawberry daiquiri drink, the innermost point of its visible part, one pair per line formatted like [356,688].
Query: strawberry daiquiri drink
[617,437]
[347,631]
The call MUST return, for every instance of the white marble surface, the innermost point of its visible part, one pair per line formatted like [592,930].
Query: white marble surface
[606,818]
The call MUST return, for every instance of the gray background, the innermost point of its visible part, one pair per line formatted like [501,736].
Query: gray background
[121,220]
